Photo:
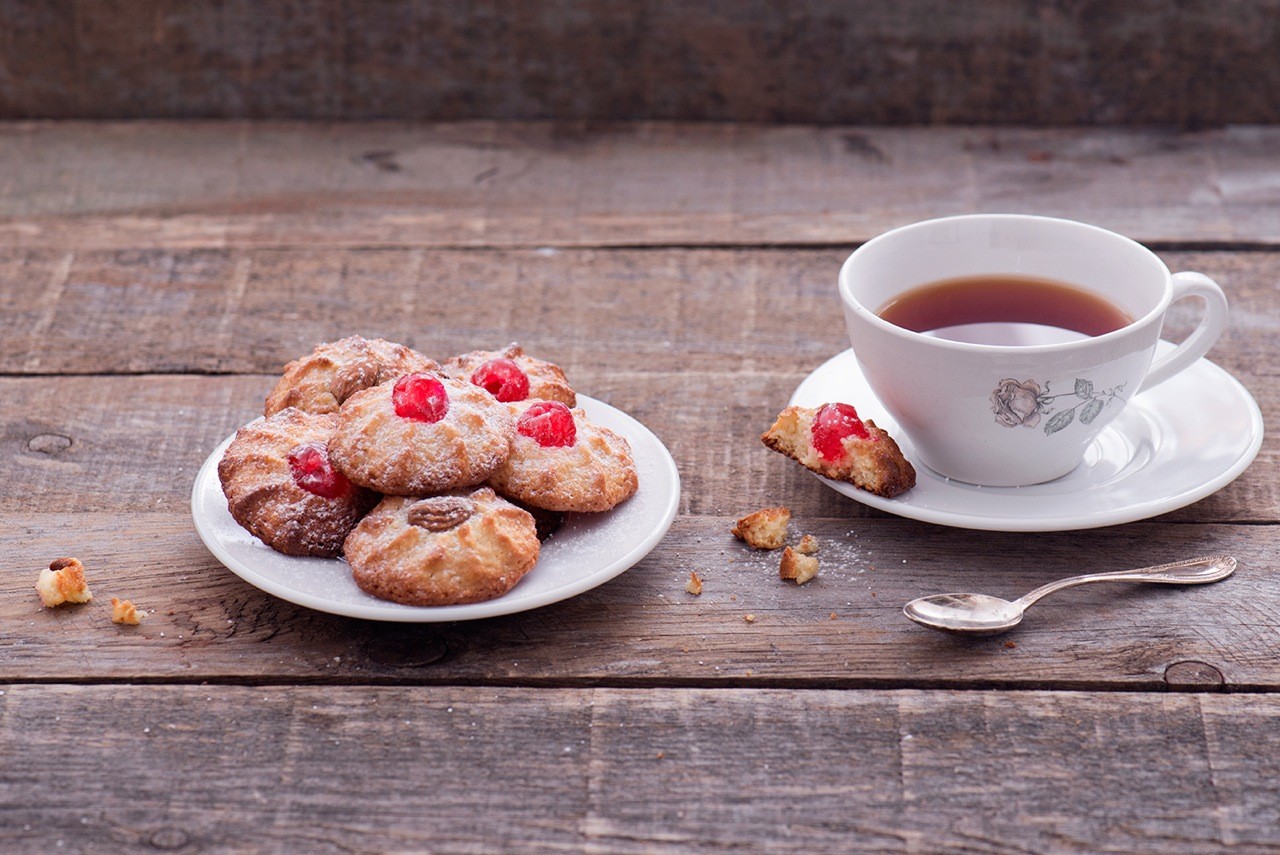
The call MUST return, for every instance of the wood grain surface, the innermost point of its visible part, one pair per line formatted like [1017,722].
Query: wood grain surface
[455,769]
[71,186]
[1189,64]
[155,277]
[601,313]
[844,629]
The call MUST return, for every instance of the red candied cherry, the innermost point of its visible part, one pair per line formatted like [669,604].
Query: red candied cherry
[309,464]
[502,379]
[831,425]
[420,397]
[548,423]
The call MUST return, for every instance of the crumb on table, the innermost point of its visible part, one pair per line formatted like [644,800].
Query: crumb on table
[694,585]
[808,545]
[796,567]
[63,582]
[763,529]
[123,611]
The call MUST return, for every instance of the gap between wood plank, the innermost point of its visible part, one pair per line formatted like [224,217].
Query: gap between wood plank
[725,685]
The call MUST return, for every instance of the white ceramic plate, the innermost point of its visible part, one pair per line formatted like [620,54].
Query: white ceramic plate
[1173,445]
[588,550]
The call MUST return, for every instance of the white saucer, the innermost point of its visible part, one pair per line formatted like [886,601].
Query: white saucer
[1173,445]
[588,550]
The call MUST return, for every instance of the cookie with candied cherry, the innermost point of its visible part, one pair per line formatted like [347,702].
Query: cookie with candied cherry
[511,375]
[834,442]
[320,381]
[281,487]
[561,461]
[464,546]
[422,434]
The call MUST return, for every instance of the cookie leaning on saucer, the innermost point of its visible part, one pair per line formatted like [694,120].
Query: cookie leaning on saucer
[834,442]
[466,546]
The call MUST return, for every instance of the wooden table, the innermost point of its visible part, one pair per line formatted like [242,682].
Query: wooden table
[155,276]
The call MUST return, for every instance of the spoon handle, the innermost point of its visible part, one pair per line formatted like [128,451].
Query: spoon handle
[1193,571]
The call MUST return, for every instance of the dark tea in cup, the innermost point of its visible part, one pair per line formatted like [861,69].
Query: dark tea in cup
[1078,310]
[1004,310]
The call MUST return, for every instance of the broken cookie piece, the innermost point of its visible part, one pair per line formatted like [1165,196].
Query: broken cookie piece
[796,567]
[808,545]
[63,582]
[123,611]
[764,529]
[694,585]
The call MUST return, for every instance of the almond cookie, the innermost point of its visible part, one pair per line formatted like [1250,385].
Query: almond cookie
[420,435]
[281,487]
[560,461]
[334,371]
[832,441]
[463,547]
[510,375]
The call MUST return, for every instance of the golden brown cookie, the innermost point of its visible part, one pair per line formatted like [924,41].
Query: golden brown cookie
[420,435]
[510,375]
[396,360]
[834,442]
[463,547]
[561,461]
[282,488]
[334,371]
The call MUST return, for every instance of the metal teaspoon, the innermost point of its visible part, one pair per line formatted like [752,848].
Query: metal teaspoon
[980,614]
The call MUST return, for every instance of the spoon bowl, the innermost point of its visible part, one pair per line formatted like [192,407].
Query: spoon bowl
[982,614]
[972,614]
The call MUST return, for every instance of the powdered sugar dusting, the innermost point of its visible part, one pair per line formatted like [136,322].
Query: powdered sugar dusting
[588,550]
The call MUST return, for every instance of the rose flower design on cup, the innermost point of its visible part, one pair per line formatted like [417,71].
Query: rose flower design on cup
[1022,404]
[968,328]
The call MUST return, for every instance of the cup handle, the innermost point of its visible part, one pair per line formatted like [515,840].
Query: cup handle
[1202,337]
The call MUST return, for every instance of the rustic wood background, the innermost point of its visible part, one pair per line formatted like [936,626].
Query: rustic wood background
[154,276]
[671,238]
[1189,63]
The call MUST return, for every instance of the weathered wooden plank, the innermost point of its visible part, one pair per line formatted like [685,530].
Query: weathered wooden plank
[126,443]
[471,769]
[252,311]
[844,629]
[821,61]
[78,186]
[736,311]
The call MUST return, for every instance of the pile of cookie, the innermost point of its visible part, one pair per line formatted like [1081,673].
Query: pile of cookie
[436,481]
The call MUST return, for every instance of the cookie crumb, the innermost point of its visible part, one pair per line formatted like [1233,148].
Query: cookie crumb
[123,611]
[808,545]
[63,582]
[833,616]
[763,529]
[749,618]
[694,585]
[796,567]
[1011,644]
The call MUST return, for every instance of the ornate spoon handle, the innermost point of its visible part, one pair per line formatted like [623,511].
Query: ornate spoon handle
[1193,571]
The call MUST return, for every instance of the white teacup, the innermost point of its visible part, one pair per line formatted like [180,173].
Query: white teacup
[1010,415]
